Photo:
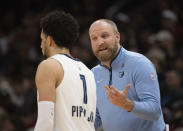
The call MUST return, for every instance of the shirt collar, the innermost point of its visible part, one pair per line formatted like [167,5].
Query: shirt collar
[76,59]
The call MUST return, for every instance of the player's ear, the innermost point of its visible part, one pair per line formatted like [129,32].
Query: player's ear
[50,40]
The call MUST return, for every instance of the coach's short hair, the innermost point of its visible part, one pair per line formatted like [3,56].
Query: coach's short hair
[62,27]
[110,22]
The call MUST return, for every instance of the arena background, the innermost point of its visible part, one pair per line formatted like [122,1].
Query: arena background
[151,27]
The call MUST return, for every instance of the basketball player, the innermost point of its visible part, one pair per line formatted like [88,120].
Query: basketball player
[66,87]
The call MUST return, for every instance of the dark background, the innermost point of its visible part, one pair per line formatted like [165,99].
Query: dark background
[151,27]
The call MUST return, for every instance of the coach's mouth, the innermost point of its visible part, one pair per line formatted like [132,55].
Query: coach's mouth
[102,49]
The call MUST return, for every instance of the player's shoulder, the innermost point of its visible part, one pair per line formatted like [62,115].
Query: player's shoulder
[49,69]
[84,66]
[49,65]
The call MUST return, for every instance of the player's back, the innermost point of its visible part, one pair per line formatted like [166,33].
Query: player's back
[75,97]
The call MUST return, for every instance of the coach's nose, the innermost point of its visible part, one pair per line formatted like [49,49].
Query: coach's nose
[100,42]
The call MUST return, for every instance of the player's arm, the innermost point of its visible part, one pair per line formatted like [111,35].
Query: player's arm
[47,79]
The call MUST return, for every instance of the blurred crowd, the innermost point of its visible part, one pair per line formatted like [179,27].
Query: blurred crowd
[151,27]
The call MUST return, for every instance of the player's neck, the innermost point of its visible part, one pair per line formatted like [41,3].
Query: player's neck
[61,51]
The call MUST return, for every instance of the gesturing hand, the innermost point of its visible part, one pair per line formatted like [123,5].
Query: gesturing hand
[119,98]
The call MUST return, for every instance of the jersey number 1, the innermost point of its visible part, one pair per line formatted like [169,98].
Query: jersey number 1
[82,77]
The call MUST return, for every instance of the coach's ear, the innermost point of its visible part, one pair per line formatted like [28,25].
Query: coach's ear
[118,36]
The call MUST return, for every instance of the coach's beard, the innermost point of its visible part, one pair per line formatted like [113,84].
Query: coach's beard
[109,55]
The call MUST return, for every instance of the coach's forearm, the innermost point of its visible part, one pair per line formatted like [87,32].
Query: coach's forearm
[147,110]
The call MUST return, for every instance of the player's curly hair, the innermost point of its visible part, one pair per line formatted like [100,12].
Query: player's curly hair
[62,27]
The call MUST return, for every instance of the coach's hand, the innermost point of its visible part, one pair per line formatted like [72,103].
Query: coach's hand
[119,98]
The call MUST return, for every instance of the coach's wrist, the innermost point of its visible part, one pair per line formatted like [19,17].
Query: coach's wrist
[130,105]
[127,105]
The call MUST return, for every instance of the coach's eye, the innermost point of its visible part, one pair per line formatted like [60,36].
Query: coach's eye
[94,38]
[105,36]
